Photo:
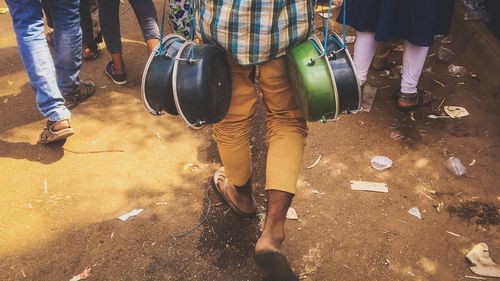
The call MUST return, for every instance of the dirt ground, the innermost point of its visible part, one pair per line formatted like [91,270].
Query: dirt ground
[59,203]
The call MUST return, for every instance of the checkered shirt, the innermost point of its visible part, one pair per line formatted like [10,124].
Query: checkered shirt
[254,31]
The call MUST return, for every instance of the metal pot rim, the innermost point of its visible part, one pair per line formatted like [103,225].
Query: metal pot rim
[147,107]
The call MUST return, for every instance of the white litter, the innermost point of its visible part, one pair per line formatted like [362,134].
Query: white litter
[415,212]
[132,213]
[314,191]
[84,275]
[482,263]
[381,163]
[369,186]
[314,164]
[453,233]
[475,277]
[456,111]
[291,214]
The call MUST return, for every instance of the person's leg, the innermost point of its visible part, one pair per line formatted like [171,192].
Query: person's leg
[68,58]
[28,25]
[89,46]
[287,132]
[413,63]
[68,35]
[109,20]
[146,16]
[27,19]
[364,49]
[232,135]
[94,14]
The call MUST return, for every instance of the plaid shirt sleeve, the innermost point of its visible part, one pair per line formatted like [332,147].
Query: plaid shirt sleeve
[254,31]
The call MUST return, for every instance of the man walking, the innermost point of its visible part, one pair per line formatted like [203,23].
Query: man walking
[258,33]
[54,82]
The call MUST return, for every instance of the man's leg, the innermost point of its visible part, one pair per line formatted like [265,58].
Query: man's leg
[232,135]
[28,25]
[68,59]
[287,132]
[68,36]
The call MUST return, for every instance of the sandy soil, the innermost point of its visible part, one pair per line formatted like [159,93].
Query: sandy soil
[59,203]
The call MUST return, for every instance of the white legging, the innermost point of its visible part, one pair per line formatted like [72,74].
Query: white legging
[413,60]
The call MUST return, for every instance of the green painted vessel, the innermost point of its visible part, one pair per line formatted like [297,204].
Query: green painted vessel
[312,81]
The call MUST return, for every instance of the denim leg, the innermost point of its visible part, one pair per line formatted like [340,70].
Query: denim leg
[27,17]
[68,40]
[110,24]
[146,16]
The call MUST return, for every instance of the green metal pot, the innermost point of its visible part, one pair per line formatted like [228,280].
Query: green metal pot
[312,81]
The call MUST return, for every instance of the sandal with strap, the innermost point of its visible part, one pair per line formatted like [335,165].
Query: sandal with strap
[48,134]
[221,185]
[86,89]
[416,100]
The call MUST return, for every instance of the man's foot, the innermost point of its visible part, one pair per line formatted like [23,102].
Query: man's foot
[274,266]
[89,53]
[269,254]
[239,199]
[86,89]
[56,131]
[118,77]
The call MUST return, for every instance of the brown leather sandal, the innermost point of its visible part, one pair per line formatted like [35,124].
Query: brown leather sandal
[48,134]
[221,185]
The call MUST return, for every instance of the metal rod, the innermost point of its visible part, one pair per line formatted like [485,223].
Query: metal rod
[313,60]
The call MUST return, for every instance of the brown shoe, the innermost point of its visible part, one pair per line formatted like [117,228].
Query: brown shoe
[49,135]
[412,101]
[221,185]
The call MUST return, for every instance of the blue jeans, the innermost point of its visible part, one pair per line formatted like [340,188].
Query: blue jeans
[50,79]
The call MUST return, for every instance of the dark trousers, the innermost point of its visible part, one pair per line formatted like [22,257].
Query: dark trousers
[89,21]
[109,18]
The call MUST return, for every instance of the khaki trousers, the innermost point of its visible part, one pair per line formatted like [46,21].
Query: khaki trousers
[286,127]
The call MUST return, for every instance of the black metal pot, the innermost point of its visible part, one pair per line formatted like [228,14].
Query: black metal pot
[344,75]
[201,84]
[156,86]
